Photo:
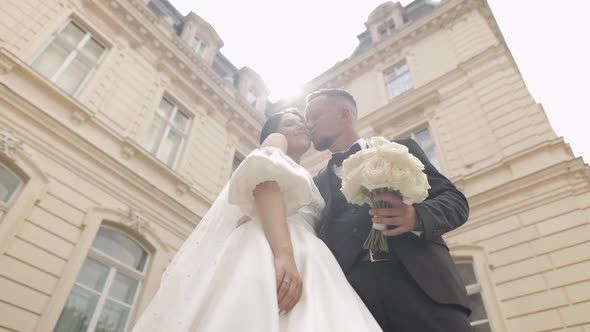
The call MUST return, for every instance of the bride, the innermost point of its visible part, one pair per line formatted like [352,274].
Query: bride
[254,262]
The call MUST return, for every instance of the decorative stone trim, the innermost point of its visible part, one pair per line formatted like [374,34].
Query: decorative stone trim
[136,221]
[6,65]
[10,144]
[181,189]
[78,118]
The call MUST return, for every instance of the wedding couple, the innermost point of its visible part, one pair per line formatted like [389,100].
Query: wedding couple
[280,251]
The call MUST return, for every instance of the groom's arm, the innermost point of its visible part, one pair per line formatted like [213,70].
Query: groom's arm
[445,208]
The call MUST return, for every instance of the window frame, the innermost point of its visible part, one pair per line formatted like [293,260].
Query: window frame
[236,156]
[114,266]
[432,146]
[177,107]
[252,96]
[199,46]
[89,34]
[387,28]
[387,73]
[476,289]
[477,256]
[5,206]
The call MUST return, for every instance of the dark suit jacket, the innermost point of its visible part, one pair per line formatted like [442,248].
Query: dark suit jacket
[426,257]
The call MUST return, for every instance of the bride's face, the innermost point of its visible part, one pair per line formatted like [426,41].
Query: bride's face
[294,129]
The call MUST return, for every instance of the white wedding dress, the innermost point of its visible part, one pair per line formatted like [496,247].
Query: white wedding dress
[223,277]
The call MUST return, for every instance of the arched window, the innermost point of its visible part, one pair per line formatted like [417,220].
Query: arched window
[107,286]
[10,185]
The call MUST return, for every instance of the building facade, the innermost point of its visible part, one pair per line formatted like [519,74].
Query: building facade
[441,73]
[121,120]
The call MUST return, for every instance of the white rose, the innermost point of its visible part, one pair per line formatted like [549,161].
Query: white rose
[355,161]
[377,141]
[419,165]
[375,172]
[415,190]
[398,173]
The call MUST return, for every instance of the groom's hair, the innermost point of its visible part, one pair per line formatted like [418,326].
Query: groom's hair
[336,93]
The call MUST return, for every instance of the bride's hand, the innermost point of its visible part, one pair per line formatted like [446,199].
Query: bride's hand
[289,285]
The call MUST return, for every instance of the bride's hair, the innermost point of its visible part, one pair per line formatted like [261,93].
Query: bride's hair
[272,122]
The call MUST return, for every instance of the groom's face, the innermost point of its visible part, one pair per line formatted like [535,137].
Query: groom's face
[323,116]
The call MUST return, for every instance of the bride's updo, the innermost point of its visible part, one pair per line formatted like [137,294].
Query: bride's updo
[272,122]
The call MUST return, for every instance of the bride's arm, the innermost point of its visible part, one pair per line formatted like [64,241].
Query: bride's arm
[270,206]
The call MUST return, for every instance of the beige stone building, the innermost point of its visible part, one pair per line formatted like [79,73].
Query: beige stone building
[120,120]
[441,72]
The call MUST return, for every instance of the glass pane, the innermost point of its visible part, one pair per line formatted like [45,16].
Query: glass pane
[202,50]
[401,69]
[485,327]
[432,158]
[74,74]
[93,274]
[123,288]
[477,306]
[169,148]
[180,121]
[112,318]
[9,184]
[236,163]
[70,36]
[50,60]
[165,108]
[467,273]
[92,51]
[423,138]
[154,134]
[77,312]
[120,247]
[390,77]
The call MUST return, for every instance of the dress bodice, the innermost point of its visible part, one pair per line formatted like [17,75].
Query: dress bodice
[311,214]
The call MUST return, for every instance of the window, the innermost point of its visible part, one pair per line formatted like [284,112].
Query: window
[199,47]
[387,29]
[167,133]
[479,316]
[398,80]
[70,58]
[10,185]
[236,162]
[251,97]
[106,289]
[424,139]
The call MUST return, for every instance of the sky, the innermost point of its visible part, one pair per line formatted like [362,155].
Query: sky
[286,43]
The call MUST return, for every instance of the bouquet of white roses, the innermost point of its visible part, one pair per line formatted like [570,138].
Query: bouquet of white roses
[383,167]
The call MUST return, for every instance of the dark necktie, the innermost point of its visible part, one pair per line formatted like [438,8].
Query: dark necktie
[338,158]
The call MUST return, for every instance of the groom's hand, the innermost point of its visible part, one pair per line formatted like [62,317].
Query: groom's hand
[400,215]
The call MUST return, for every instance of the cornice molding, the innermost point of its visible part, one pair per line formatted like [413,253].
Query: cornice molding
[107,162]
[350,68]
[576,185]
[174,51]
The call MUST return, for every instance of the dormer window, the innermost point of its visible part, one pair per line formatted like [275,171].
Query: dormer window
[387,28]
[251,97]
[199,47]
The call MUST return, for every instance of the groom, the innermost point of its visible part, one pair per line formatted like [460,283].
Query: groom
[415,287]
